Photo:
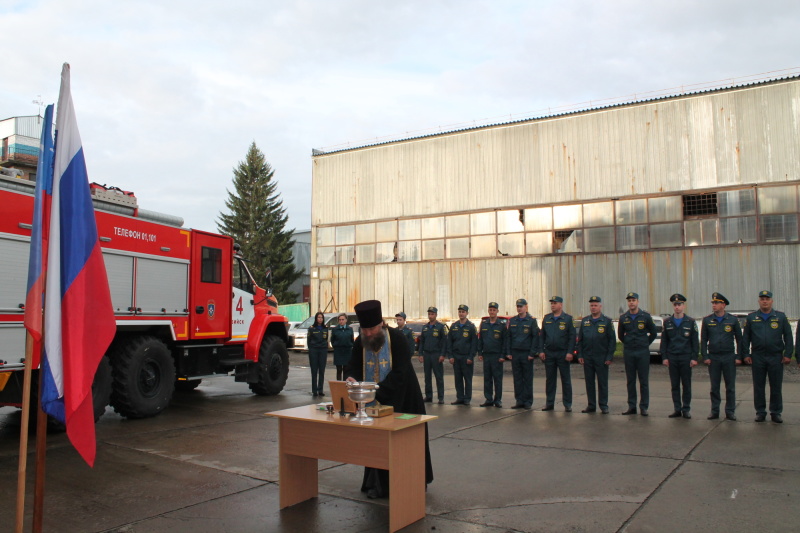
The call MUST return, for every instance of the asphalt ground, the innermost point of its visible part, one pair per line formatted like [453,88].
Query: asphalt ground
[209,463]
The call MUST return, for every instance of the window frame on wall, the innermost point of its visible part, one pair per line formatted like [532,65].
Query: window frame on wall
[766,214]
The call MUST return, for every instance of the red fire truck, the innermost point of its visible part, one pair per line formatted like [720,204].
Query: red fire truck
[187,307]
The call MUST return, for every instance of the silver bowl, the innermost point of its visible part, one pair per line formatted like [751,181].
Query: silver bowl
[362,393]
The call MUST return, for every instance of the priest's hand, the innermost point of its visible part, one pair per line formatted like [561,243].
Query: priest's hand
[350,380]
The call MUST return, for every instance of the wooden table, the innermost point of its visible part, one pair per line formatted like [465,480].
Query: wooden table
[307,434]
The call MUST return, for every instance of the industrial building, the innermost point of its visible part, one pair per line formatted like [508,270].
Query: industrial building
[19,145]
[691,193]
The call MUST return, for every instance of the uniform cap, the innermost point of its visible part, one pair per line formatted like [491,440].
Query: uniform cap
[401,315]
[632,296]
[433,310]
[766,294]
[369,313]
[522,301]
[558,299]
[494,304]
[719,297]
[595,299]
[463,307]
[677,297]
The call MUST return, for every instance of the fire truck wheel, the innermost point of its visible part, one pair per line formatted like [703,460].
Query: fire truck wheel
[273,367]
[101,388]
[144,377]
[187,385]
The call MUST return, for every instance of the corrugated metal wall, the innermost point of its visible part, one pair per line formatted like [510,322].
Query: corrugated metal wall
[737,272]
[735,137]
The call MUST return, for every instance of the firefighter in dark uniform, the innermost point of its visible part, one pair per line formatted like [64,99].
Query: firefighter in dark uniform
[717,335]
[408,333]
[491,343]
[317,342]
[462,345]
[680,346]
[522,345]
[767,339]
[432,351]
[595,350]
[636,330]
[556,347]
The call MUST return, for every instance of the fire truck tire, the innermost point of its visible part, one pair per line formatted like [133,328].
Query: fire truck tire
[187,385]
[144,377]
[273,367]
[101,388]
[101,394]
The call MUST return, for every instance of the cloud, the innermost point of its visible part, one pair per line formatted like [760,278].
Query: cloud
[169,95]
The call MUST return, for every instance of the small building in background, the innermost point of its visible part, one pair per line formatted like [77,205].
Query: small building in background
[301,251]
[690,193]
[19,145]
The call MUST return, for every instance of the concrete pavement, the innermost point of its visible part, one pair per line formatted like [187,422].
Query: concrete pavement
[209,464]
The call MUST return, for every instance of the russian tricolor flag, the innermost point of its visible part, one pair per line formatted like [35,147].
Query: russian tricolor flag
[36,259]
[78,317]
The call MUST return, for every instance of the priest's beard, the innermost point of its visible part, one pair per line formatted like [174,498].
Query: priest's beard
[376,342]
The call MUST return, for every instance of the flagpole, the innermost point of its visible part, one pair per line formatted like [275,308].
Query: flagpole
[22,468]
[41,456]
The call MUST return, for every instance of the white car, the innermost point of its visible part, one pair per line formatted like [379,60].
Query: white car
[298,334]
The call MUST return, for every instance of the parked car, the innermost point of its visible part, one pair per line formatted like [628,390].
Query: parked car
[299,333]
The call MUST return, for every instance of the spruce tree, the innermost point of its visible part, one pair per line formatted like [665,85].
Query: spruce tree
[257,221]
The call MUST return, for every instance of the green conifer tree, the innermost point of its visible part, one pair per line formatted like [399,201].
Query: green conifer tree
[256,220]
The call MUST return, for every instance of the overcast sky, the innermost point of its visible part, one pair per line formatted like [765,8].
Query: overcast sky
[170,94]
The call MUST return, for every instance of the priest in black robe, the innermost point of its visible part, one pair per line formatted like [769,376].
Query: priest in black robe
[398,388]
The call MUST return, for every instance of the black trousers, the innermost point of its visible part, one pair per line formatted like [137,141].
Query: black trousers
[680,375]
[638,365]
[723,367]
[768,366]
[596,368]
[555,364]
[317,359]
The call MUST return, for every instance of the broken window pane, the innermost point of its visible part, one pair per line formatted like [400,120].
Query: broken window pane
[509,221]
[539,218]
[385,252]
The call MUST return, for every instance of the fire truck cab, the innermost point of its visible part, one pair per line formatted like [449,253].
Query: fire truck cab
[187,307]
